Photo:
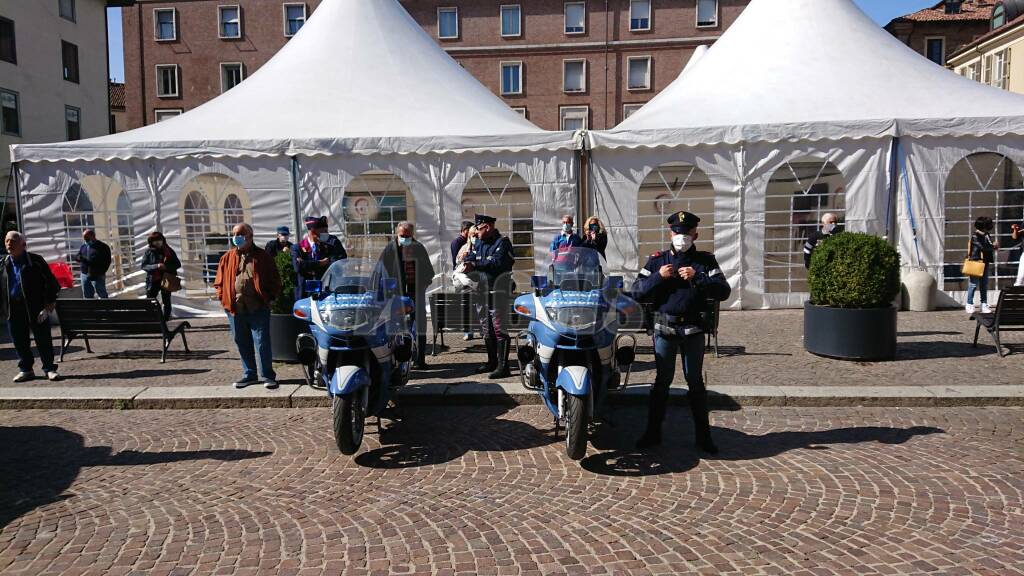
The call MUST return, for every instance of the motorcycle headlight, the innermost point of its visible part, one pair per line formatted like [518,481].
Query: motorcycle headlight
[575,317]
[347,319]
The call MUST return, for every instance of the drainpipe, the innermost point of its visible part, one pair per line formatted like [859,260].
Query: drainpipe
[142,67]
[607,38]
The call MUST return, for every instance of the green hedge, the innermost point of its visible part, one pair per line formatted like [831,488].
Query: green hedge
[853,270]
[286,268]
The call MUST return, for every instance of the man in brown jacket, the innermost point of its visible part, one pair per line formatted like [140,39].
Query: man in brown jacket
[247,282]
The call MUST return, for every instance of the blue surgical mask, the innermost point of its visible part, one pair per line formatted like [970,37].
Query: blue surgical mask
[238,241]
[567,228]
[403,241]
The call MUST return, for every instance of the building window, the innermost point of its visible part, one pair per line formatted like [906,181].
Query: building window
[574,117]
[521,110]
[165,21]
[511,78]
[998,16]
[73,122]
[10,117]
[639,71]
[231,75]
[973,71]
[167,81]
[69,57]
[1001,69]
[935,50]
[574,75]
[294,18]
[707,13]
[8,53]
[67,9]
[230,18]
[575,17]
[630,109]
[161,115]
[986,69]
[640,15]
[447,23]
[511,21]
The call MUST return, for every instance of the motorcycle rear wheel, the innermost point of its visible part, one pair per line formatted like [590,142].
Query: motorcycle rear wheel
[575,426]
[349,422]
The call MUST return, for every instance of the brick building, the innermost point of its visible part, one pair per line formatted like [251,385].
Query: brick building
[944,28]
[564,64]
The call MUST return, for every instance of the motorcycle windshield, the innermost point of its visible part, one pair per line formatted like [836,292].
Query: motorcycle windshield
[360,298]
[576,269]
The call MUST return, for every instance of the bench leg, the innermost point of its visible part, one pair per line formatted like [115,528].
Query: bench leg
[64,343]
[977,330]
[163,353]
[87,347]
[716,345]
[433,350]
[999,345]
[184,342]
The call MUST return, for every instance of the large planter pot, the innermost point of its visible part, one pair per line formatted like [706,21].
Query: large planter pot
[850,333]
[284,329]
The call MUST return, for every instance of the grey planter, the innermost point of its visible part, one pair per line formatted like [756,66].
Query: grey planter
[850,333]
[284,329]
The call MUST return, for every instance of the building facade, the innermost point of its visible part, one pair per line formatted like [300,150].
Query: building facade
[53,75]
[997,58]
[118,114]
[563,64]
[944,28]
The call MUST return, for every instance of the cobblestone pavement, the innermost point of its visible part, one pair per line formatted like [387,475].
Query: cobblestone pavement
[757,347]
[487,490]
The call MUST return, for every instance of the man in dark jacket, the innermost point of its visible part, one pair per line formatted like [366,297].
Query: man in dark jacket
[94,258]
[678,282]
[460,241]
[492,262]
[407,260]
[315,253]
[829,228]
[280,244]
[27,290]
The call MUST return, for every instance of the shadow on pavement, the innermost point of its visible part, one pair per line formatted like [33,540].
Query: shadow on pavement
[39,463]
[619,457]
[425,437]
[137,374]
[928,333]
[154,354]
[942,349]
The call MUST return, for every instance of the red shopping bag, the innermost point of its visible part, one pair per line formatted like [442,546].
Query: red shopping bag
[63,274]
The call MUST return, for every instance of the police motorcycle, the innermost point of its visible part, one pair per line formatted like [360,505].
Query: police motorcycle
[571,353]
[360,343]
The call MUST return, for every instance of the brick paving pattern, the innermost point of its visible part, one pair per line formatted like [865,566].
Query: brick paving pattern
[757,348]
[488,490]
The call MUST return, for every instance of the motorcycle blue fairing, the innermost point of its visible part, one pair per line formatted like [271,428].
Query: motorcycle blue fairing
[574,380]
[348,379]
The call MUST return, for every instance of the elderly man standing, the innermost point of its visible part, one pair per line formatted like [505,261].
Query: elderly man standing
[27,289]
[567,237]
[247,282]
[829,228]
[407,260]
[94,257]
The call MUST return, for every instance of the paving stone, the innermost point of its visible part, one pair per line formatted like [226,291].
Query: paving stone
[70,396]
[255,396]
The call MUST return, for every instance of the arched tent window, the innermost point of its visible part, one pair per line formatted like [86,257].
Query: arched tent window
[503,194]
[78,216]
[374,204]
[124,257]
[668,189]
[982,184]
[799,193]
[234,214]
[196,212]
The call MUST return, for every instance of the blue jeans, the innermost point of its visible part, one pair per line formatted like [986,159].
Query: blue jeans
[93,286]
[252,334]
[974,283]
[666,348]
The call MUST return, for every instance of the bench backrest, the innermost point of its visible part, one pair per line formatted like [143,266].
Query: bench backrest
[1010,311]
[99,316]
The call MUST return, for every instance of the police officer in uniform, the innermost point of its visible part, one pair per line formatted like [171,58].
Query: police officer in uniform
[490,262]
[677,283]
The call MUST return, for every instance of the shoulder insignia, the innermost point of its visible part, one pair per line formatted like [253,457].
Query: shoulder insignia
[645,272]
[657,254]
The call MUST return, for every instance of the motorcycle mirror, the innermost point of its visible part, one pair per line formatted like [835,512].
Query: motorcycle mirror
[539,284]
[313,287]
[615,282]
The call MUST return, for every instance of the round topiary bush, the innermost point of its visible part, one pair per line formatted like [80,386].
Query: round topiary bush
[853,270]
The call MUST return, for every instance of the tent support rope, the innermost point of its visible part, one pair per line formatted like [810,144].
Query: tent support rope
[910,206]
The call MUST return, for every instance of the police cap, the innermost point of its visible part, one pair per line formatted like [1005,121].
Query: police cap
[482,219]
[683,222]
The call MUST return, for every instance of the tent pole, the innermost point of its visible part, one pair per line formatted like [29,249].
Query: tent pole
[294,201]
[582,184]
[894,187]
[741,172]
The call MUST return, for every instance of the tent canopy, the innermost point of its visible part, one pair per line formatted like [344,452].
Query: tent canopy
[360,77]
[813,70]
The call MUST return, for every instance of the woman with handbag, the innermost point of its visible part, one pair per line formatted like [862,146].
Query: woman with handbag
[162,265]
[981,249]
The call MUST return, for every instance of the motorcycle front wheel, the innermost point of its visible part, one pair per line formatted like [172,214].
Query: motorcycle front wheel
[349,422]
[575,426]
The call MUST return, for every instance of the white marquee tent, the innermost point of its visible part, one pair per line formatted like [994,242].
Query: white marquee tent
[360,109]
[803,107]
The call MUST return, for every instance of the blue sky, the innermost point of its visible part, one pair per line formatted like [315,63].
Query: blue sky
[881,10]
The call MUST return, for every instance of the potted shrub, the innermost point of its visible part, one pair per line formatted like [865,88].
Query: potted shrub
[285,328]
[854,279]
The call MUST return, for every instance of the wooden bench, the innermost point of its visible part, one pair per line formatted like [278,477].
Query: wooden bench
[1008,317]
[115,320]
[456,312]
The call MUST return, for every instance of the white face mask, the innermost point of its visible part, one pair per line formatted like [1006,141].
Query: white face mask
[682,242]
[828,228]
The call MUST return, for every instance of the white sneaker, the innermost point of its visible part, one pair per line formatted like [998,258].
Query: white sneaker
[24,376]
[985,309]
[969,308]
[52,376]
[270,384]
[467,337]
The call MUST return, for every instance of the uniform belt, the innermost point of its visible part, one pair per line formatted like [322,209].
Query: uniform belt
[672,320]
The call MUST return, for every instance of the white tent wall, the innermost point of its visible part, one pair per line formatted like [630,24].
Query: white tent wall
[740,175]
[929,163]
[436,183]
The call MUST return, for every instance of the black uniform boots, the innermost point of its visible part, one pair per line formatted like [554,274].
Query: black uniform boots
[701,422]
[492,357]
[502,370]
